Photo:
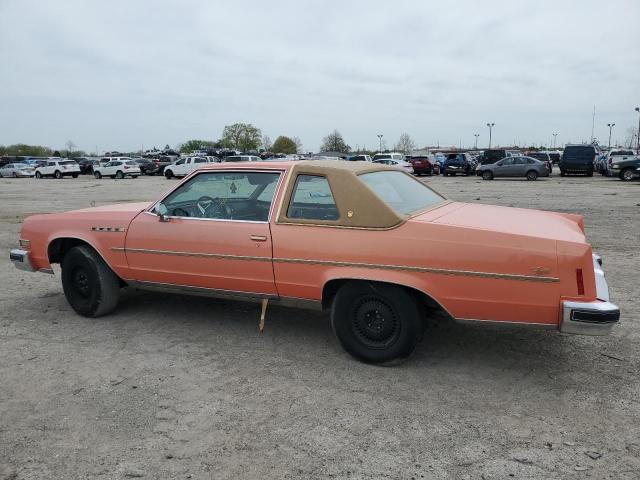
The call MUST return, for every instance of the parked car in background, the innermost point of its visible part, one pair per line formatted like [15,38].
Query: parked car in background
[543,157]
[392,155]
[422,164]
[17,170]
[615,155]
[404,165]
[119,168]
[555,156]
[492,156]
[380,250]
[525,167]
[185,166]
[242,158]
[627,168]
[459,163]
[147,166]
[578,159]
[86,165]
[439,165]
[58,168]
[359,158]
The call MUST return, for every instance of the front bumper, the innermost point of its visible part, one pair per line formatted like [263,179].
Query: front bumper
[20,259]
[594,317]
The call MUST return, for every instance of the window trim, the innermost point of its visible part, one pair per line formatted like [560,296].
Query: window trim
[150,209]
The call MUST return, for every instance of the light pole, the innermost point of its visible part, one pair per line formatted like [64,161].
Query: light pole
[380,138]
[490,125]
[610,125]
[638,138]
[476,144]
[554,140]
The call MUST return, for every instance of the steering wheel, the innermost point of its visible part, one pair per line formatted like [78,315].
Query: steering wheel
[213,207]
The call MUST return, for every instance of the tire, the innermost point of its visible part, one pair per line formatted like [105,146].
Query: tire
[487,175]
[562,173]
[57,174]
[395,315]
[74,175]
[626,175]
[15,175]
[38,175]
[97,175]
[119,175]
[532,175]
[168,174]
[134,176]
[590,173]
[91,287]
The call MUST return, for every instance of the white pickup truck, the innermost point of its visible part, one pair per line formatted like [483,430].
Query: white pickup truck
[185,166]
[58,168]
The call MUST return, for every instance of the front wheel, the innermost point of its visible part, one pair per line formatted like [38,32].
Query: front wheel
[532,175]
[97,175]
[487,175]
[58,174]
[38,175]
[119,175]
[626,175]
[376,322]
[91,287]
[168,174]
[74,175]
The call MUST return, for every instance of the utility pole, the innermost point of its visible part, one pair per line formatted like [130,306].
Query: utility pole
[475,147]
[593,124]
[554,140]
[610,125]
[490,125]
[638,136]
[380,138]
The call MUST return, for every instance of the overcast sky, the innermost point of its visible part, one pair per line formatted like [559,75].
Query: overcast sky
[119,74]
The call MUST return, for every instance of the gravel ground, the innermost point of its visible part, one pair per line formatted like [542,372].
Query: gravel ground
[181,387]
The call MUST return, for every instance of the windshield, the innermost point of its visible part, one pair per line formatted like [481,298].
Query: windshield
[400,191]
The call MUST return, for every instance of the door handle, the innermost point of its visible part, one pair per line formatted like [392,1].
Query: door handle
[258,238]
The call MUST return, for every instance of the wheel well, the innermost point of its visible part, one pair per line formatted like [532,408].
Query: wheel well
[331,288]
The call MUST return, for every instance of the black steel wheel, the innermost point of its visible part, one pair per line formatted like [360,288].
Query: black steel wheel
[90,286]
[376,322]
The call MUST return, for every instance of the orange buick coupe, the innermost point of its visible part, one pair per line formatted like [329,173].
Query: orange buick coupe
[378,248]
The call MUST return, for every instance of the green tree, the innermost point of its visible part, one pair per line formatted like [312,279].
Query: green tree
[334,143]
[284,145]
[242,136]
[22,149]
[191,145]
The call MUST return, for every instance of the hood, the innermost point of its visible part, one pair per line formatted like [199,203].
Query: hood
[118,215]
[517,221]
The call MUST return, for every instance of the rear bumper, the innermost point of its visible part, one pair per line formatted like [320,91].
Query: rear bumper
[20,259]
[594,317]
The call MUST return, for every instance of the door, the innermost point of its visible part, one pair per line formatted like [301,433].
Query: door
[504,168]
[216,234]
[519,166]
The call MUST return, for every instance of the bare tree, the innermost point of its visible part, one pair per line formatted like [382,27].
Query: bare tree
[298,142]
[266,143]
[334,143]
[630,137]
[405,144]
[70,146]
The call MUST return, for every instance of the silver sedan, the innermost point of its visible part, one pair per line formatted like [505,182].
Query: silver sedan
[17,170]
[526,167]
[406,166]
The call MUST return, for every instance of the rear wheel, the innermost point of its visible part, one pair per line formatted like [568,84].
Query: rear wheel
[532,175]
[97,175]
[487,175]
[57,174]
[119,174]
[626,175]
[375,322]
[91,287]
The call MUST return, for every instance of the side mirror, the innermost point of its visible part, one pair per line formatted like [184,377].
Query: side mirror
[162,212]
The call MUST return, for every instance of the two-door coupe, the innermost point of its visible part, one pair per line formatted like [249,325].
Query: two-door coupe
[377,247]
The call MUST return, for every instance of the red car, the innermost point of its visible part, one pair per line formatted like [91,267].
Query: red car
[422,164]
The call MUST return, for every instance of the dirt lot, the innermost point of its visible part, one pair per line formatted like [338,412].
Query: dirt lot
[180,387]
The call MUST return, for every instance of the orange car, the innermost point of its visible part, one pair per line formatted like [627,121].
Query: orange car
[335,235]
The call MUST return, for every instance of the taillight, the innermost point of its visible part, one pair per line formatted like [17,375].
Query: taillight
[580,281]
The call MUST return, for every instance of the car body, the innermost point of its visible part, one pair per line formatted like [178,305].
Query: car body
[360,158]
[626,168]
[440,158]
[459,163]
[543,157]
[614,155]
[119,167]
[422,164]
[241,158]
[372,244]
[185,166]
[58,168]
[404,165]
[392,155]
[521,166]
[16,170]
[147,166]
[578,159]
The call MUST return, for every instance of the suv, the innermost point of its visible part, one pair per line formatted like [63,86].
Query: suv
[58,168]
[627,169]
[459,163]
[422,164]
[117,168]
[578,159]
[185,166]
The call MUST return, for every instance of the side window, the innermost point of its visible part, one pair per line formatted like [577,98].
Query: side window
[312,199]
[201,160]
[180,162]
[225,196]
[507,162]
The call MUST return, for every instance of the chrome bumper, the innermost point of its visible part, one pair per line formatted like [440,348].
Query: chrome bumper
[591,318]
[20,259]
